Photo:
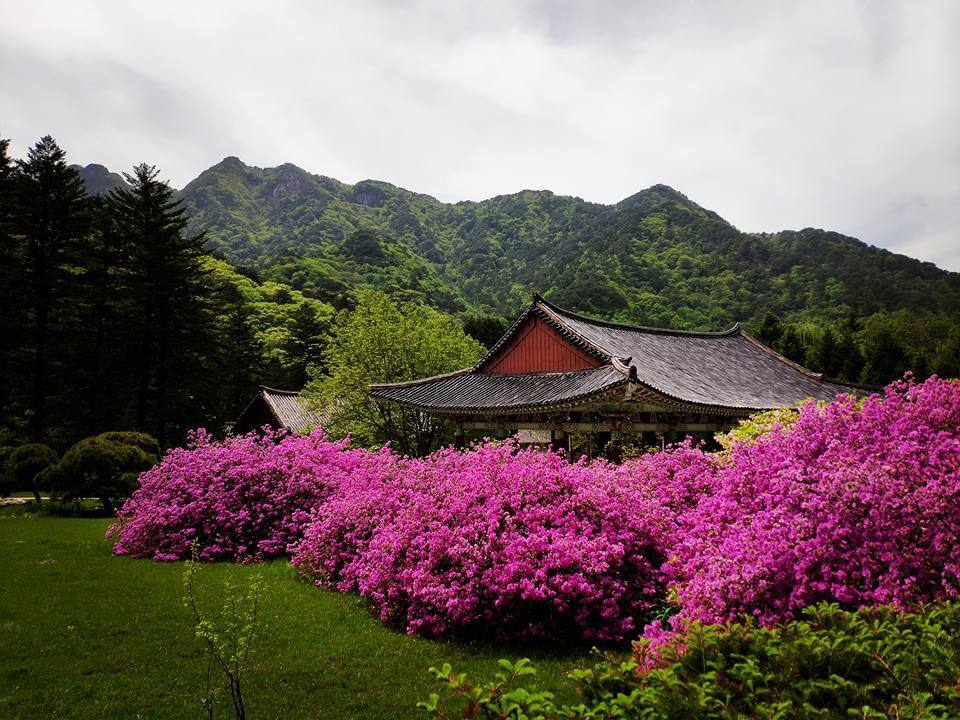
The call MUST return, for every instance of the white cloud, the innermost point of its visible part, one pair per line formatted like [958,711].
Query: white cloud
[840,115]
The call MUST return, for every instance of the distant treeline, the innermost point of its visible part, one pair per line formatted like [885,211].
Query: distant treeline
[872,350]
[115,318]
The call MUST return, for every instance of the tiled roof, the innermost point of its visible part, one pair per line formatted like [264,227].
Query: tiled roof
[729,369]
[479,391]
[725,372]
[291,411]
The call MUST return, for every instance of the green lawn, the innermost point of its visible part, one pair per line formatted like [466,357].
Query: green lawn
[86,634]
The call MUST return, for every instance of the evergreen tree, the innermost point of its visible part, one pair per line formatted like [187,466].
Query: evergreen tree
[171,316]
[308,337]
[51,216]
[823,356]
[486,329]
[12,283]
[849,357]
[791,345]
[105,313]
[885,359]
[242,352]
[770,330]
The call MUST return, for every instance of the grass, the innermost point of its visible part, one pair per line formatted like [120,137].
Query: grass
[86,634]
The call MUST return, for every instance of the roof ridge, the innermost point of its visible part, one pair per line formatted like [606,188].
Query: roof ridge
[539,299]
[782,358]
[421,381]
[278,391]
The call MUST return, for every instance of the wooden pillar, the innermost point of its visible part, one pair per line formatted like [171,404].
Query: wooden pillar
[603,439]
[560,439]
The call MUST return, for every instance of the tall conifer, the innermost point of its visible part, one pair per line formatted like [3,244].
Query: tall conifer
[168,292]
[51,218]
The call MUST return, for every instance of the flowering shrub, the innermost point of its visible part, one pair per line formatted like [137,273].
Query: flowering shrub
[858,503]
[517,542]
[245,497]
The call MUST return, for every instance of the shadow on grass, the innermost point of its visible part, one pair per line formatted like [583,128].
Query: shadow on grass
[86,508]
[481,639]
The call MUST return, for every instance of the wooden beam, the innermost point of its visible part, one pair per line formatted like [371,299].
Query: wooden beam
[624,427]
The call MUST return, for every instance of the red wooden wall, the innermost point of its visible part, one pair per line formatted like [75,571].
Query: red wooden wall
[539,348]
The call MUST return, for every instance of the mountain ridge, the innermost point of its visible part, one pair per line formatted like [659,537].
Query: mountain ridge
[655,257]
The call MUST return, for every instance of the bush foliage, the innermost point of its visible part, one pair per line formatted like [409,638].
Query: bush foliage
[858,503]
[24,468]
[873,663]
[104,466]
[239,499]
[517,542]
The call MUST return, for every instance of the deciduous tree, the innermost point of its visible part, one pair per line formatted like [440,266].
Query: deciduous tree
[382,341]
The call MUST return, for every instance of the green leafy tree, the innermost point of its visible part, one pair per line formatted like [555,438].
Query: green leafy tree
[24,467]
[228,637]
[382,341]
[104,466]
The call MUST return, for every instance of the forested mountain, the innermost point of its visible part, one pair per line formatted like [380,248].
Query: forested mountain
[655,258]
[97,180]
[131,306]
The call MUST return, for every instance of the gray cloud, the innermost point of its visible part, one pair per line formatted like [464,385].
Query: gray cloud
[840,115]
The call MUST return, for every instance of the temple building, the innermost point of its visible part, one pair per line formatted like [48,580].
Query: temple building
[555,373]
[278,409]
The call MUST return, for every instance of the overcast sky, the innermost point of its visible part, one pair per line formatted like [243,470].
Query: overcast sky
[840,115]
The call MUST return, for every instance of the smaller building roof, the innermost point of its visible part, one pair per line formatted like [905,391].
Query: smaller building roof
[280,409]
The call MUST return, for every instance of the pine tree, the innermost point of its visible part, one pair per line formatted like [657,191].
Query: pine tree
[242,352]
[51,216]
[105,312]
[12,284]
[308,336]
[823,355]
[172,326]
[791,345]
[770,330]
[885,359]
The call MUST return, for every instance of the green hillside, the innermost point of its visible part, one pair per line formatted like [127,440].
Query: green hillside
[655,258]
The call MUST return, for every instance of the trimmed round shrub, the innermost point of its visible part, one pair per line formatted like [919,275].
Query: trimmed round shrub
[517,543]
[24,467]
[103,466]
[239,499]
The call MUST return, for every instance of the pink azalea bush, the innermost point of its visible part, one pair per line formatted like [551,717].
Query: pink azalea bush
[238,499]
[858,503]
[518,543]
